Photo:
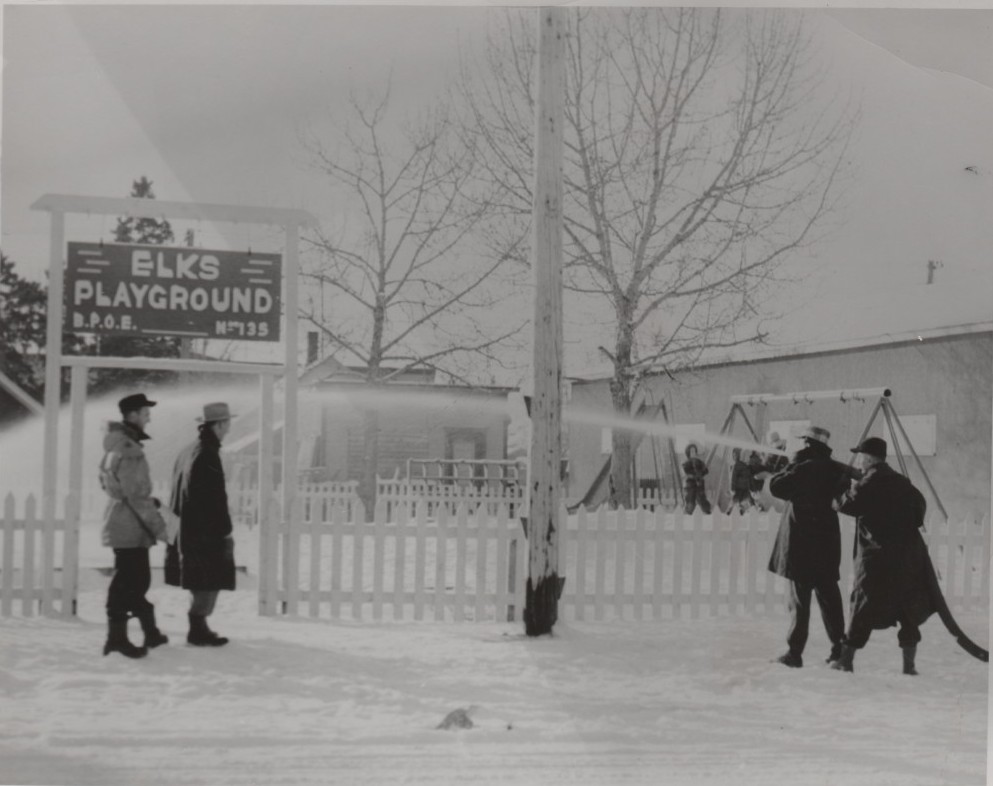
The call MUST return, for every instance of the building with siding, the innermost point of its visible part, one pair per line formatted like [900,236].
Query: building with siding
[418,420]
[932,347]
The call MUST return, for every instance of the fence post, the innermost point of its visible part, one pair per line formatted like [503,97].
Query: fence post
[7,577]
[70,556]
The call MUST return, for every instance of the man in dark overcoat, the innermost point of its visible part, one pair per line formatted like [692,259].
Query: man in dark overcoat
[891,585]
[205,546]
[807,550]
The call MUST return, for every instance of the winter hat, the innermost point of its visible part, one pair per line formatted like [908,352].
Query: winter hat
[134,402]
[873,446]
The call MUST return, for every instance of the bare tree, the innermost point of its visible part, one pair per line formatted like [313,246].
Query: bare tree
[701,153]
[412,285]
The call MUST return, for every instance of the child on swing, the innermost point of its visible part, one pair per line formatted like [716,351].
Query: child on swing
[741,482]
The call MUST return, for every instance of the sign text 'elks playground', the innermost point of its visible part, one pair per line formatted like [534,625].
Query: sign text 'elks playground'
[168,291]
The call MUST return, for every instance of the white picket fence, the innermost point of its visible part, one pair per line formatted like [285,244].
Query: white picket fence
[471,565]
[39,560]
[443,559]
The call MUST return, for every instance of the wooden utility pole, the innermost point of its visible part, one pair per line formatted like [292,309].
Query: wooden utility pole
[545,480]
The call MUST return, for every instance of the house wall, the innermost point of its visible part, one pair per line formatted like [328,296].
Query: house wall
[950,378]
[410,432]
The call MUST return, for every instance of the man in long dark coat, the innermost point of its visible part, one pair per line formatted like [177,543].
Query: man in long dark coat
[205,546]
[890,586]
[807,550]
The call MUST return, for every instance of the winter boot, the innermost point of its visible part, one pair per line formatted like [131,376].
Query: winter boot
[117,640]
[909,653]
[790,659]
[153,636]
[835,653]
[844,662]
[202,636]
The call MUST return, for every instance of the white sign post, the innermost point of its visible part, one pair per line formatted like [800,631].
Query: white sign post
[58,205]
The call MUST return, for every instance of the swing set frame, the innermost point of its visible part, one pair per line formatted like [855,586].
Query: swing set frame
[883,405]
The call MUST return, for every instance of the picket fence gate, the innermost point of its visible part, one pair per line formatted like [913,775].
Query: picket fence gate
[472,565]
[39,560]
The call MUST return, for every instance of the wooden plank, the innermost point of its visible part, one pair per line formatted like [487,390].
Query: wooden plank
[420,559]
[47,532]
[718,534]
[735,543]
[697,564]
[271,534]
[358,567]
[337,538]
[504,587]
[621,517]
[600,547]
[483,529]
[27,574]
[638,593]
[53,386]
[519,546]
[399,559]
[7,576]
[70,557]
[316,530]
[441,558]
[461,525]
[751,561]
[658,563]
[582,541]
[678,539]
[378,546]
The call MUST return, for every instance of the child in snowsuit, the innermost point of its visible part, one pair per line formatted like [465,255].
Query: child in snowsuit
[741,482]
[693,471]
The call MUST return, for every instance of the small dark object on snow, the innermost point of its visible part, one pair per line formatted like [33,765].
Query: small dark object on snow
[457,719]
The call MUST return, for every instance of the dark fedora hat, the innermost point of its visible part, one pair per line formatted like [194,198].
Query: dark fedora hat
[214,412]
[134,402]
[817,434]
[872,446]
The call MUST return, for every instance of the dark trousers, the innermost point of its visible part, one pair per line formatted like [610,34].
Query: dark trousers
[860,628]
[828,598]
[202,602]
[696,495]
[132,578]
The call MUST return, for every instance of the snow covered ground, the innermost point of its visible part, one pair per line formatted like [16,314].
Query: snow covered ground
[299,701]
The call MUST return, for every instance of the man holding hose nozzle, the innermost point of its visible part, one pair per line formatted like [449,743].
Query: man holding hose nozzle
[890,586]
[807,550]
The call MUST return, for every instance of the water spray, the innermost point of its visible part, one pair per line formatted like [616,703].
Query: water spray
[628,423]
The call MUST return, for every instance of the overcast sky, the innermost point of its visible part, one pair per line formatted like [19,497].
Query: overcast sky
[209,102]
